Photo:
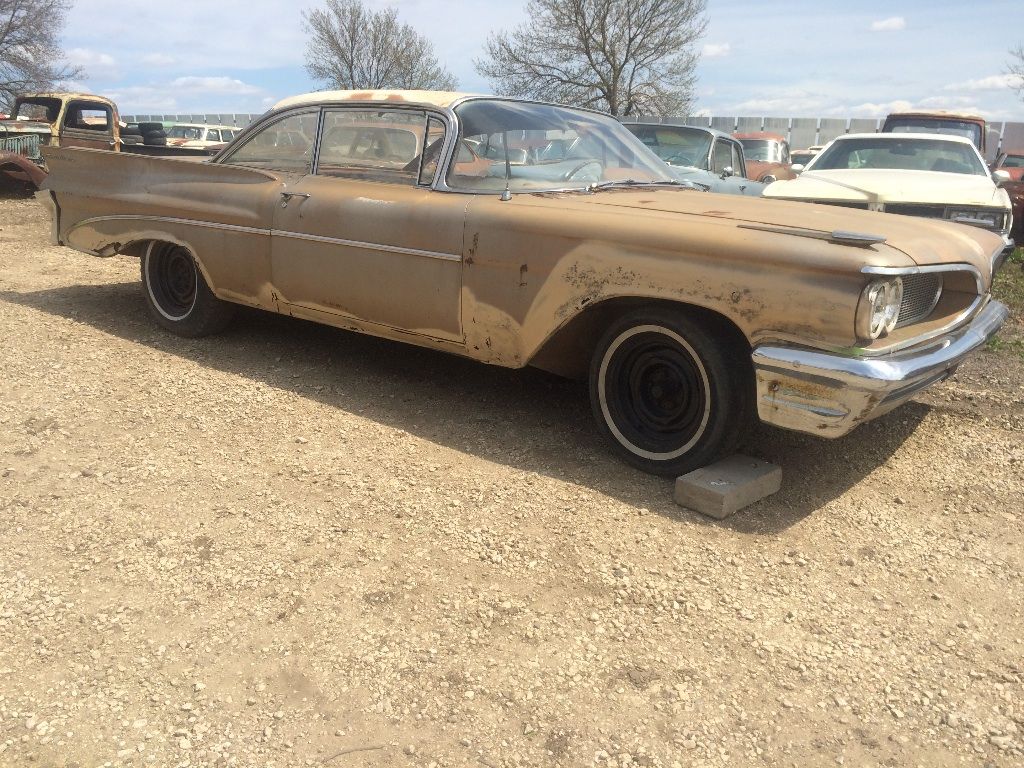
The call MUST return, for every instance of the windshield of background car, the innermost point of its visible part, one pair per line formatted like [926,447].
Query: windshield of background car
[900,154]
[676,146]
[1013,161]
[185,132]
[802,158]
[963,128]
[762,150]
[547,147]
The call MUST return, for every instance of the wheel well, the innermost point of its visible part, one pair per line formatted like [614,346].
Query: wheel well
[567,352]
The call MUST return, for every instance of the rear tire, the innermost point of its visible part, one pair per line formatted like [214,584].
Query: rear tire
[177,294]
[669,394]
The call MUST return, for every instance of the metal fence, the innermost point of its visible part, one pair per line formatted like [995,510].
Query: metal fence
[800,131]
[811,131]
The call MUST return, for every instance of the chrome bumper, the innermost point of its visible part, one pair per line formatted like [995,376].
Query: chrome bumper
[827,394]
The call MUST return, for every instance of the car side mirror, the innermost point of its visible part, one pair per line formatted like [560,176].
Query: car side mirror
[727,172]
[1000,177]
[798,168]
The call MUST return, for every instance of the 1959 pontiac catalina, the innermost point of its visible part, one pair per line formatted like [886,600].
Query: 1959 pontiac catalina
[443,220]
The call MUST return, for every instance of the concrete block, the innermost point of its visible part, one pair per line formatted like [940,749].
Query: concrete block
[727,486]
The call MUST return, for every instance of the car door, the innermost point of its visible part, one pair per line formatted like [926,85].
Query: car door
[363,236]
[88,124]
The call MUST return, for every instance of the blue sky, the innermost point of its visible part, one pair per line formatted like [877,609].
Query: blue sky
[785,59]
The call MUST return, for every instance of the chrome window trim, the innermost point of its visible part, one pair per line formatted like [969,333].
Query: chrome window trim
[257,127]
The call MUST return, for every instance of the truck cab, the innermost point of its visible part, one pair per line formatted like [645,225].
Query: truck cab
[955,123]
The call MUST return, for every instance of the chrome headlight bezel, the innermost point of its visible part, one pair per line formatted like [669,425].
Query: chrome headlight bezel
[879,308]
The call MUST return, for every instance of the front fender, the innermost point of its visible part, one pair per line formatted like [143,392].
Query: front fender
[21,168]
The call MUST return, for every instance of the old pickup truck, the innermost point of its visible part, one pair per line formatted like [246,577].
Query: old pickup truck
[411,215]
[69,120]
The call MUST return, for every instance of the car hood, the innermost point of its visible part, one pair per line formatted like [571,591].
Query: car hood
[923,241]
[880,186]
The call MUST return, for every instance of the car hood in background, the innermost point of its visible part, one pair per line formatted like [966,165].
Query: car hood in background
[25,126]
[880,186]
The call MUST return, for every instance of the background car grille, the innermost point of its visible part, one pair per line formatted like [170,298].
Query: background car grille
[27,145]
[920,295]
[927,211]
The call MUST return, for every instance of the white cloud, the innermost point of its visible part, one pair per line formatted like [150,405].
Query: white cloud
[990,83]
[715,50]
[214,85]
[892,24]
[158,60]
[94,63]
[190,94]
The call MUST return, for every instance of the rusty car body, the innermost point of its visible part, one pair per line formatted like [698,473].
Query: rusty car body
[65,119]
[970,126]
[767,156]
[691,314]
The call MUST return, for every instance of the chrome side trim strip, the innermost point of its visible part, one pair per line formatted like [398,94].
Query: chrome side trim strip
[171,220]
[275,233]
[369,246]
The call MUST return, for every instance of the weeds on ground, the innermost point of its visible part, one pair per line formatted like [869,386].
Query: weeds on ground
[1008,287]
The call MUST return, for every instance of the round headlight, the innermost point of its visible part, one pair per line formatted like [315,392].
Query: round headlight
[879,308]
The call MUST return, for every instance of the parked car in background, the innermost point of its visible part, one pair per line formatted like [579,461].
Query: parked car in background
[198,136]
[690,318]
[972,127]
[1011,163]
[914,174]
[71,120]
[767,156]
[802,157]
[703,155]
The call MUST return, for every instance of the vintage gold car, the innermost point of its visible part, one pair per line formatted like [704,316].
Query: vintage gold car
[428,218]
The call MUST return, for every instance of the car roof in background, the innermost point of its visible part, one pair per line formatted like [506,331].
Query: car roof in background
[763,135]
[900,136]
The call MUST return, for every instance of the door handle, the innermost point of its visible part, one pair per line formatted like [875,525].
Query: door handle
[287,196]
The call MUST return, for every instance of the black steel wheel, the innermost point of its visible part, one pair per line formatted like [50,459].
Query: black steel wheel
[670,395]
[177,294]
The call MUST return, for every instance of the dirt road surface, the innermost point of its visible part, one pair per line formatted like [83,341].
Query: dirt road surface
[294,546]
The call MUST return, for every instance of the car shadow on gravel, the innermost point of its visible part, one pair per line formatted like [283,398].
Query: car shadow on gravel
[526,418]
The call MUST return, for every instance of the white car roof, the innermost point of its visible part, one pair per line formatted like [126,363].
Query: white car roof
[902,135]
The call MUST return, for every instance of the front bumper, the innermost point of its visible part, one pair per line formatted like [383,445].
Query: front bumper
[828,394]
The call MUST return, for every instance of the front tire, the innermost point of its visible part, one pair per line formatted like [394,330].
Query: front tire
[669,395]
[177,295]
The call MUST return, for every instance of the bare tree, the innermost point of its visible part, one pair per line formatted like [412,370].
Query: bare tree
[1016,68]
[30,53]
[626,57]
[351,46]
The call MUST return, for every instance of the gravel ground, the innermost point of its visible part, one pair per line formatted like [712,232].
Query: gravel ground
[292,546]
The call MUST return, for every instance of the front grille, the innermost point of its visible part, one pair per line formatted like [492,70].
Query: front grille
[27,145]
[920,295]
[927,211]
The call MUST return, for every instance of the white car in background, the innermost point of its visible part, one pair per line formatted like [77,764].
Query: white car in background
[914,174]
[197,136]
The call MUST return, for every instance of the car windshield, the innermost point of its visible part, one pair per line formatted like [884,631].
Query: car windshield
[676,145]
[803,158]
[535,147]
[1013,161]
[762,150]
[893,153]
[190,132]
[964,128]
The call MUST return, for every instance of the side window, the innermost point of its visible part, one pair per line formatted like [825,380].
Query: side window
[722,156]
[373,145]
[88,117]
[212,135]
[432,150]
[284,145]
